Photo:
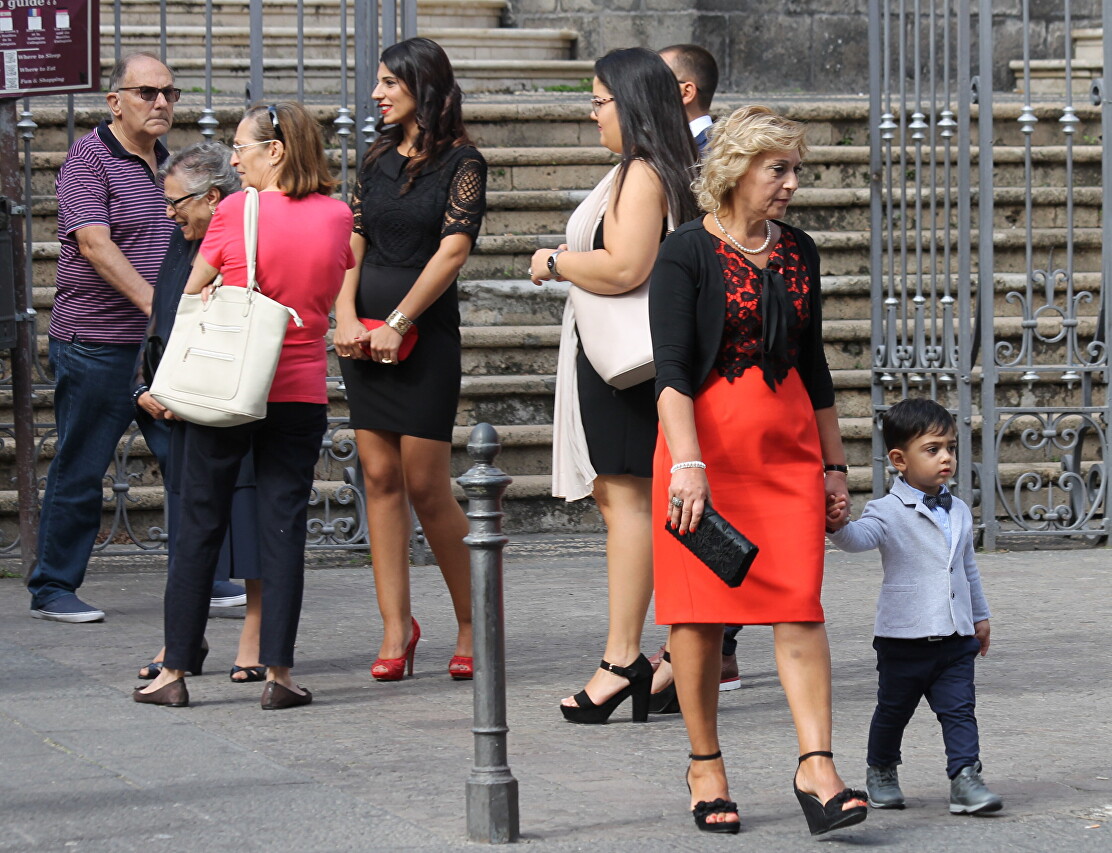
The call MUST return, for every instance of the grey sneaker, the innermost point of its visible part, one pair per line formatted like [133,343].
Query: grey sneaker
[970,795]
[883,787]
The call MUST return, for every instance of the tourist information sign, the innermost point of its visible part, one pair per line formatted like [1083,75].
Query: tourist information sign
[49,47]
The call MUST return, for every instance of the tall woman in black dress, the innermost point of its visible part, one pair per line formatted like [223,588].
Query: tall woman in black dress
[640,117]
[418,206]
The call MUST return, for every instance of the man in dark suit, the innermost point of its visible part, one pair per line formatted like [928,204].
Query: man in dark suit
[697,73]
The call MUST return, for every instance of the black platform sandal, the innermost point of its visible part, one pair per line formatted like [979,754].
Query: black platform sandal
[824,817]
[640,676]
[704,809]
[666,701]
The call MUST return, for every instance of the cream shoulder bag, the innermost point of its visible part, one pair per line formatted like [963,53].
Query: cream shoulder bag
[220,360]
[613,329]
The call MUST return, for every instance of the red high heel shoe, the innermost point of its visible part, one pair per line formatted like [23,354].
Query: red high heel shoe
[393,669]
[461,668]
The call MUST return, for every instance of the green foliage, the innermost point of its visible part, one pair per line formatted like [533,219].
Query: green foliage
[583,85]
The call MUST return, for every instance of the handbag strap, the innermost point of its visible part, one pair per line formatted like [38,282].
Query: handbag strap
[251,235]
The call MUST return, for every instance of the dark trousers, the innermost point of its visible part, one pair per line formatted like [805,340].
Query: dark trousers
[92,409]
[286,445]
[943,672]
[729,640]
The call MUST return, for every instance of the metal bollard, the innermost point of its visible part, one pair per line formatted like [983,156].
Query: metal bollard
[492,812]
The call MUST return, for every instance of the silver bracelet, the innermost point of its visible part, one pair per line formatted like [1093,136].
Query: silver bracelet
[694,464]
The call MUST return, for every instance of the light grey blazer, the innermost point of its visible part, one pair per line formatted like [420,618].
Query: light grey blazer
[928,590]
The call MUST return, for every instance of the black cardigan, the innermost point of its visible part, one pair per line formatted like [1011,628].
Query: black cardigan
[687,314]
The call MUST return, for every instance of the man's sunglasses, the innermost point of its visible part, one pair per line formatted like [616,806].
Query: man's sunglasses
[151,93]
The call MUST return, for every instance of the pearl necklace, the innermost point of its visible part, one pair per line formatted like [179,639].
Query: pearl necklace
[732,239]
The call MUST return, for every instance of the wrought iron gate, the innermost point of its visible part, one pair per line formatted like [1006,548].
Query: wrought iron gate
[337,518]
[990,291]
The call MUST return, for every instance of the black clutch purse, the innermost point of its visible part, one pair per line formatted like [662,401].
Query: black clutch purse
[720,546]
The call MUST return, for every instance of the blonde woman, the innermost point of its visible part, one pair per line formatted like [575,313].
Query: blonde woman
[748,424]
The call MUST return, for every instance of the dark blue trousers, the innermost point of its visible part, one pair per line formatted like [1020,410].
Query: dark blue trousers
[286,445]
[943,672]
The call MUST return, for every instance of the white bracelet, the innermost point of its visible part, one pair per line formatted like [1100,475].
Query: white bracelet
[695,464]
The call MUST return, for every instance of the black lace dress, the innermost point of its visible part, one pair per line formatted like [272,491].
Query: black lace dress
[419,396]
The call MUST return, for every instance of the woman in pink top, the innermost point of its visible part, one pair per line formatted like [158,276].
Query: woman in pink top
[303,252]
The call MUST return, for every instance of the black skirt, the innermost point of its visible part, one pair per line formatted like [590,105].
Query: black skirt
[620,425]
[419,396]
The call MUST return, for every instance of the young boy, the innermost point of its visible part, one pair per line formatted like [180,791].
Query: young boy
[932,618]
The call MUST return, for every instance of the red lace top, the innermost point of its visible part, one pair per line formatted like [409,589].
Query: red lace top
[744,338]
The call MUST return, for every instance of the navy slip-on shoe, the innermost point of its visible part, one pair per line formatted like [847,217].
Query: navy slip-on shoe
[68,608]
[227,594]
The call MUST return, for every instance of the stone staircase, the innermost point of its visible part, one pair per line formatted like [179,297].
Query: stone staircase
[543,156]
[486,56]
[1048,76]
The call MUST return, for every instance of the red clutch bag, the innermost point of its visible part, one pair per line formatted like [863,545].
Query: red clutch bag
[408,341]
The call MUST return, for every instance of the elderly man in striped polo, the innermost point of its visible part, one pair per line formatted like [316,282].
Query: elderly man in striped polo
[114,233]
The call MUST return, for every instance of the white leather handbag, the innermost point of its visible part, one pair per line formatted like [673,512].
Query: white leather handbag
[220,360]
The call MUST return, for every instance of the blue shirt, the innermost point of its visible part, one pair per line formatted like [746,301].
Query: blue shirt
[940,514]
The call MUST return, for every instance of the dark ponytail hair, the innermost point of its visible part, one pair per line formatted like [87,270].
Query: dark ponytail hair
[652,122]
[425,70]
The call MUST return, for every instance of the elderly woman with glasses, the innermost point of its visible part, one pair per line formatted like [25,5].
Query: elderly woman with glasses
[195,181]
[279,151]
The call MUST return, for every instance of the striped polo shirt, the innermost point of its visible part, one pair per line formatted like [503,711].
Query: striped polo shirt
[102,183]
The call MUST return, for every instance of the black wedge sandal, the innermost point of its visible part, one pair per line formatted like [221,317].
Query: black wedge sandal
[824,817]
[640,676]
[666,701]
[704,808]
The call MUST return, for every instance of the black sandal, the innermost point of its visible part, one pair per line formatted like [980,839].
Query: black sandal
[254,673]
[824,817]
[640,677]
[152,670]
[666,701]
[704,809]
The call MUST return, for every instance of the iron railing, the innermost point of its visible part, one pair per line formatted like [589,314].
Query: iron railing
[337,516]
[986,268]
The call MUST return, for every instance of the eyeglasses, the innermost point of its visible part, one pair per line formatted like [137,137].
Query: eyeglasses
[597,103]
[151,93]
[238,148]
[175,202]
[272,111]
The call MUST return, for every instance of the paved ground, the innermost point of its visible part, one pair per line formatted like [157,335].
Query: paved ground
[383,766]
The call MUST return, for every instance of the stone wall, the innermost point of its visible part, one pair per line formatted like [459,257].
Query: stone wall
[788,46]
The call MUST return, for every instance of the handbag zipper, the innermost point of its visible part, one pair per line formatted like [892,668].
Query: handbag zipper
[215,327]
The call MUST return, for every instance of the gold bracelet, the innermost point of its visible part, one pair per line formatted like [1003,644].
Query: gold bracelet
[399,322]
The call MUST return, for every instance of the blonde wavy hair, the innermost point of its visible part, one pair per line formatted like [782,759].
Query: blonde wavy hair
[734,141]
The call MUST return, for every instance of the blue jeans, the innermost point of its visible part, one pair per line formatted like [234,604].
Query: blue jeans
[92,409]
[943,672]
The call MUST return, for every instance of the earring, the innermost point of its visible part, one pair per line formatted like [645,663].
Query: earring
[212,208]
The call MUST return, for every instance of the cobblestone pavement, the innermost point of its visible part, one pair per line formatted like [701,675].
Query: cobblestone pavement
[383,766]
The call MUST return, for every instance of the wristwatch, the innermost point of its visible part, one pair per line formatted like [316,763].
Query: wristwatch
[841,469]
[552,262]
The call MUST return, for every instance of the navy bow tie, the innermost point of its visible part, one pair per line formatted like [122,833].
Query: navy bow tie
[943,499]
